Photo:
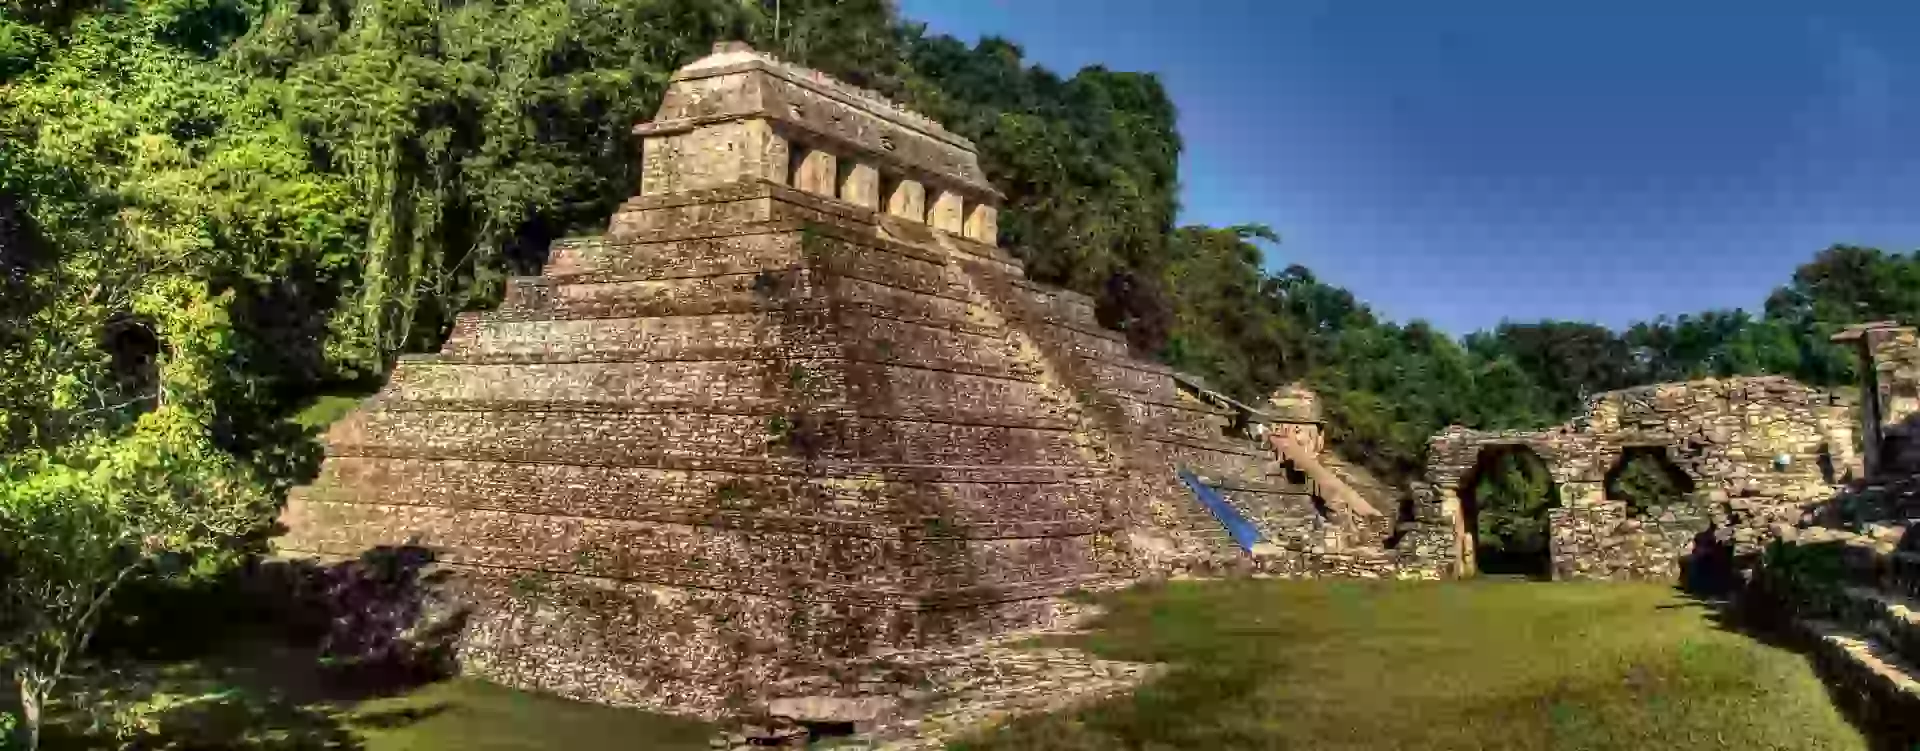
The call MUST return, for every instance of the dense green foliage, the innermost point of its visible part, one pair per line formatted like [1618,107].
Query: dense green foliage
[1089,165]
[1646,480]
[1511,492]
[1389,386]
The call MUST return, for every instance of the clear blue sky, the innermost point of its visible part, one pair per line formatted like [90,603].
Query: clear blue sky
[1472,160]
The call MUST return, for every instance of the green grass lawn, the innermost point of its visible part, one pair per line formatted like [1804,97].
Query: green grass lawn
[1479,665]
[474,716]
[1255,665]
[266,702]
[326,410]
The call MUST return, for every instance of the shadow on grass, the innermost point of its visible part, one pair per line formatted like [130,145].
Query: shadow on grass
[1757,614]
[273,655]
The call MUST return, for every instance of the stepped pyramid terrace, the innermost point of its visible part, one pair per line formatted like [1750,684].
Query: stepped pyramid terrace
[797,410]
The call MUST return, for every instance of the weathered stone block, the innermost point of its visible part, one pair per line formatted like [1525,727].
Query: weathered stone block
[713,156]
[860,185]
[983,224]
[948,212]
[908,200]
[816,171]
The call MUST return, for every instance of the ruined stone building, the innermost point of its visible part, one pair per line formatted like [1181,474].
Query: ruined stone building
[796,405]
[1755,451]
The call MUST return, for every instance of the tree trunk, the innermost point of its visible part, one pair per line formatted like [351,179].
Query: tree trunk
[26,733]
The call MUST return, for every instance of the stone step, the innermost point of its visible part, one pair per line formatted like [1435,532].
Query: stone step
[1069,306]
[754,555]
[683,524]
[1882,688]
[851,476]
[744,386]
[995,501]
[1088,344]
[633,439]
[712,244]
[1035,418]
[1892,619]
[1118,378]
[784,290]
[811,335]
[1285,520]
[1886,531]
[857,354]
[1882,499]
[1264,485]
[1878,565]
[1051,317]
[1205,530]
[688,254]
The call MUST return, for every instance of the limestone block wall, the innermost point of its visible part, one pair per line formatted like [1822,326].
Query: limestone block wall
[1605,540]
[1896,375]
[1890,396]
[1769,442]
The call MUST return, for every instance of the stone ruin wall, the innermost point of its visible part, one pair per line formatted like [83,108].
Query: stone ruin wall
[1726,437]
[795,409]
[1889,355]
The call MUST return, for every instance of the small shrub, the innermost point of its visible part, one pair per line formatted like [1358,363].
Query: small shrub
[1809,570]
[778,428]
[730,492]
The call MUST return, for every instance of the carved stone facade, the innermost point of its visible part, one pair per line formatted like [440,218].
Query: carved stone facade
[1755,450]
[794,409]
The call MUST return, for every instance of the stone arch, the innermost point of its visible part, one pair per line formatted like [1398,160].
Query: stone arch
[1524,545]
[1452,456]
[1647,475]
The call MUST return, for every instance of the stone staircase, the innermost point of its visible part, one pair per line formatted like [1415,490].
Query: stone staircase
[1128,412]
[1851,590]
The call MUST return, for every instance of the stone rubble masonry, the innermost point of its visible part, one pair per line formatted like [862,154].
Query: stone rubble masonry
[1726,436]
[1890,395]
[761,429]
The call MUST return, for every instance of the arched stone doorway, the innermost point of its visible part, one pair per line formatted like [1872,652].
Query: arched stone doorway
[1646,478]
[1504,504]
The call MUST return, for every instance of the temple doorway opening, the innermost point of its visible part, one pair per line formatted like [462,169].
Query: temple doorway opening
[1504,502]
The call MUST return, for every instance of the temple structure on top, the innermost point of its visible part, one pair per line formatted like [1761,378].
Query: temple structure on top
[796,406]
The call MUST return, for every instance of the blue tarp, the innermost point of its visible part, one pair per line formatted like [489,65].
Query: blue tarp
[1244,533]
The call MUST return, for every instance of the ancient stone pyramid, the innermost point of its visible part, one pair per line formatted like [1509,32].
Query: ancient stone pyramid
[795,405]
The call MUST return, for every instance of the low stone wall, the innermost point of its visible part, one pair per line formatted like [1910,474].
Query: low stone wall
[1607,541]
